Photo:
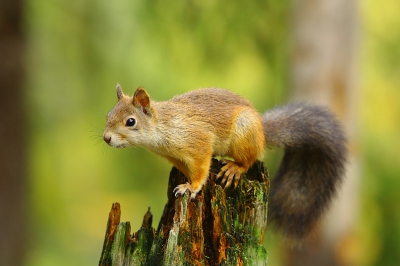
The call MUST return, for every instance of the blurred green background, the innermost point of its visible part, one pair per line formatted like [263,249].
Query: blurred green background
[78,50]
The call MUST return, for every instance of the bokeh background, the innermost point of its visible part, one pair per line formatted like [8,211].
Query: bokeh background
[60,61]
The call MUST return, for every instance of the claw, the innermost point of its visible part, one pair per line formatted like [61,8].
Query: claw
[223,173]
[225,167]
[230,179]
[182,188]
[219,175]
[237,179]
[223,181]
[230,172]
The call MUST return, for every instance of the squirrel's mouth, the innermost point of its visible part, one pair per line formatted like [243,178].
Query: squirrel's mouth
[115,142]
[120,146]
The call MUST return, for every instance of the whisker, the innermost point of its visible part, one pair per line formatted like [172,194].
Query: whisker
[105,150]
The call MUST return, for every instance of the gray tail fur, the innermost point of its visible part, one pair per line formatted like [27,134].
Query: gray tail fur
[312,167]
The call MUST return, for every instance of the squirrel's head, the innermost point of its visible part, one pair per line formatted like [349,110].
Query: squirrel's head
[131,121]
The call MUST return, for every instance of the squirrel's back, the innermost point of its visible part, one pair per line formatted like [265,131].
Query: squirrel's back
[206,98]
[212,109]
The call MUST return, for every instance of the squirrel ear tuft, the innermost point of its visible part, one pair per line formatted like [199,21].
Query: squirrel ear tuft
[120,93]
[141,99]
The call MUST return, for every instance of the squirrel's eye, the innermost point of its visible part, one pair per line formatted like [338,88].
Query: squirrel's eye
[130,122]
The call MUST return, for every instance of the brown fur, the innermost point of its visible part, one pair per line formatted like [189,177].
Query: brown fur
[191,128]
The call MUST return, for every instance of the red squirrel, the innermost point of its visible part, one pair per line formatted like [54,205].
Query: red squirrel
[189,129]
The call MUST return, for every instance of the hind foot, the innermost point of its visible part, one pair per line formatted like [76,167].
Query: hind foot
[230,172]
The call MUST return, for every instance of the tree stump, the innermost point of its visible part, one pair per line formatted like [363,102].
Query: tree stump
[219,227]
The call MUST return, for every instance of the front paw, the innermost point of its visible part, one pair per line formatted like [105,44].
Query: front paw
[181,189]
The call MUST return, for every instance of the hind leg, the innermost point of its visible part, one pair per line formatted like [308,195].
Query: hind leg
[246,147]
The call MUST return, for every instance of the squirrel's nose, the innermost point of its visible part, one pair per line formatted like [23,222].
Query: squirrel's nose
[107,138]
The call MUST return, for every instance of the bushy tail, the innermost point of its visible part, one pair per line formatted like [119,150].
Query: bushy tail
[312,167]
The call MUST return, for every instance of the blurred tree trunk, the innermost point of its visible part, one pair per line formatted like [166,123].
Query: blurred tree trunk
[12,128]
[323,70]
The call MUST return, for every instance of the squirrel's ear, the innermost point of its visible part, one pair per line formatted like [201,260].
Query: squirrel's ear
[141,99]
[120,93]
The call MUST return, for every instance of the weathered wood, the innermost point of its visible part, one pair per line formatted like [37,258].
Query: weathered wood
[112,224]
[219,227]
